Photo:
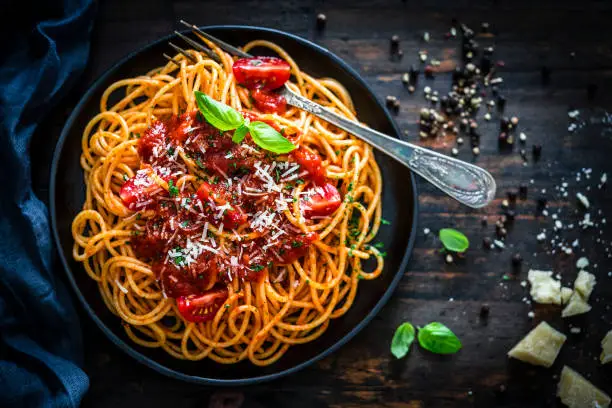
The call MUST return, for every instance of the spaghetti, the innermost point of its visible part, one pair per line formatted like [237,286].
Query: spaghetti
[210,248]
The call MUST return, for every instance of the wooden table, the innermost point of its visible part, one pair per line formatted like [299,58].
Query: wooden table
[572,40]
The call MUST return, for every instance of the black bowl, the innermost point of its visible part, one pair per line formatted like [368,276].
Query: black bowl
[399,207]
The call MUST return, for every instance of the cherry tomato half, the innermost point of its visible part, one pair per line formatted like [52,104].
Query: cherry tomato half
[233,216]
[201,308]
[324,201]
[311,162]
[261,72]
[268,101]
[138,190]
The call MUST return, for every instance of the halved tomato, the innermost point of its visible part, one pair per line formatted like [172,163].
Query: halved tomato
[261,72]
[322,202]
[268,101]
[136,192]
[201,308]
[233,216]
[311,162]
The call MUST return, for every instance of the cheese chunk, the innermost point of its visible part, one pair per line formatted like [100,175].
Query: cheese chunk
[585,282]
[577,305]
[606,349]
[566,294]
[540,346]
[576,391]
[544,288]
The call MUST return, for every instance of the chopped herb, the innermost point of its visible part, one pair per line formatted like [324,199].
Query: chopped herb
[383,254]
[257,267]
[299,181]
[125,177]
[199,163]
[384,222]
[350,186]
[296,244]
[379,245]
[172,189]
[138,216]
[170,151]
[360,277]
[337,152]
[227,306]
[215,180]
[184,223]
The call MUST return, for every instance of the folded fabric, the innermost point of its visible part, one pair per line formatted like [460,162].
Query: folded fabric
[40,340]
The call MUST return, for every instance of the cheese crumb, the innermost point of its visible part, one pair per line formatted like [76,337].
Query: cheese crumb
[544,288]
[583,200]
[606,349]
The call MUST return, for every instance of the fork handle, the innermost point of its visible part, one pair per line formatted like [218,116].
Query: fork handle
[469,184]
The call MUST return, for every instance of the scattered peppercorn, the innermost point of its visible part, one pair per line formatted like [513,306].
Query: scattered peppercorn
[512,194]
[517,260]
[394,43]
[541,204]
[321,21]
[523,191]
[536,151]
[487,242]
[484,310]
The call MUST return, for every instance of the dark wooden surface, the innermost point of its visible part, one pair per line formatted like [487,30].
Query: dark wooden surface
[527,35]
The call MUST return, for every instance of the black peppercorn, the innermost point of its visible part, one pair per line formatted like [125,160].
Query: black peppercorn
[536,151]
[321,21]
[541,204]
[511,196]
[487,242]
[504,124]
[394,43]
[523,191]
[501,103]
[484,310]
[517,259]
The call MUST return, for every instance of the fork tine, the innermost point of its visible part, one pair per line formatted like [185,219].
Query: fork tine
[169,58]
[198,46]
[222,44]
[182,51]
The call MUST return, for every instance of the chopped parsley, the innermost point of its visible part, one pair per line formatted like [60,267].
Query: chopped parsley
[170,151]
[299,181]
[199,163]
[184,223]
[384,222]
[172,189]
[350,186]
[296,244]
[257,267]
[379,245]
[360,277]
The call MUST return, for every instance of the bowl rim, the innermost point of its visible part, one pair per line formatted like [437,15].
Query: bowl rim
[127,348]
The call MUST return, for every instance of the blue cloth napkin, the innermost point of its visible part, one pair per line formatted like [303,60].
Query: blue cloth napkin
[40,340]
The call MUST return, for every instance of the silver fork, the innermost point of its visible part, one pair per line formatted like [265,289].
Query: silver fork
[465,182]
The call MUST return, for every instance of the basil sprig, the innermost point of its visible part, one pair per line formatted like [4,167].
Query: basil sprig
[434,337]
[402,340]
[453,240]
[226,118]
[438,339]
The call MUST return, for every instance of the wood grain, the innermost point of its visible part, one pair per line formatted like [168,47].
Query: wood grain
[527,35]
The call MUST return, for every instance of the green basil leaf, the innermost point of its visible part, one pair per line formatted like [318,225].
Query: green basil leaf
[218,114]
[402,340]
[266,137]
[453,240]
[439,339]
[240,133]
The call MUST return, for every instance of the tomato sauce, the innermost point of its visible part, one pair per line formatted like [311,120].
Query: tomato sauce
[242,189]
